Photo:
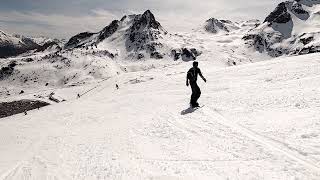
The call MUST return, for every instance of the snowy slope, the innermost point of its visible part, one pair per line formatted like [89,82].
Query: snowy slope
[291,29]
[260,121]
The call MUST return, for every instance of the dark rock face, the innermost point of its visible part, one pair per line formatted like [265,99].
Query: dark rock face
[29,43]
[264,42]
[276,37]
[156,55]
[75,40]
[308,50]
[109,30]
[300,45]
[8,49]
[306,41]
[176,54]
[48,45]
[146,20]
[279,15]
[185,54]
[298,10]
[309,3]
[307,47]
[213,25]
[257,41]
[7,70]
[143,32]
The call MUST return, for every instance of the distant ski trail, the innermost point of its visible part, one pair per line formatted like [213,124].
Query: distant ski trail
[266,141]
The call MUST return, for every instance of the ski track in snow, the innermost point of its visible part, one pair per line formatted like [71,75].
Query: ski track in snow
[273,144]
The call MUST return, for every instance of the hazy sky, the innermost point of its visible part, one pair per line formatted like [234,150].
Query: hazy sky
[64,18]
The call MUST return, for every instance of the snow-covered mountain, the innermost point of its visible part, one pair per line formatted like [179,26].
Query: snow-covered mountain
[293,28]
[138,36]
[41,40]
[214,25]
[11,45]
[135,36]
[47,44]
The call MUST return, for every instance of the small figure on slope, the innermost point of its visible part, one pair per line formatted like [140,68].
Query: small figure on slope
[192,77]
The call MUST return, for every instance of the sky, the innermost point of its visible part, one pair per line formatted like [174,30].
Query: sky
[65,18]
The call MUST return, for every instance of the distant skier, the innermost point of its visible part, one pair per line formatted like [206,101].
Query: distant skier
[192,77]
[117,87]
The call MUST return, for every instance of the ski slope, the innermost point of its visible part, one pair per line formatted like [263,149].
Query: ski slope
[259,121]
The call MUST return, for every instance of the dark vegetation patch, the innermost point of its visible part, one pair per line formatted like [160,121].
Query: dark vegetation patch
[16,107]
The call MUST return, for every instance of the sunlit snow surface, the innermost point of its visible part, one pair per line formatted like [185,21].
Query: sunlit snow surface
[260,121]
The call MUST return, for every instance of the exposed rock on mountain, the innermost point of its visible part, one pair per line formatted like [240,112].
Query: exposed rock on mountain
[292,28]
[137,34]
[185,54]
[214,26]
[75,41]
[12,46]
[50,46]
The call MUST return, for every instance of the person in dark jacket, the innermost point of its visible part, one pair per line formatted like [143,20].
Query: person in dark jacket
[192,77]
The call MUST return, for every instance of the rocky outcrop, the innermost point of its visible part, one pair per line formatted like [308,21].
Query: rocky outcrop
[7,70]
[214,25]
[276,36]
[108,31]
[51,46]
[77,40]
[185,54]
[279,15]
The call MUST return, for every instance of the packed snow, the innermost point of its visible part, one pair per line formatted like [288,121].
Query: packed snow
[259,121]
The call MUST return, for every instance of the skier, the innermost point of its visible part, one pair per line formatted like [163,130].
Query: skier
[192,77]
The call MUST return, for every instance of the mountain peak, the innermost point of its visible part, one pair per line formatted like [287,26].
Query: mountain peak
[280,14]
[214,25]
[148,13]
[146,20]
[284,11]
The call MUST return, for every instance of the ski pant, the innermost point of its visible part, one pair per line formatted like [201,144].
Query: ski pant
[196,93]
